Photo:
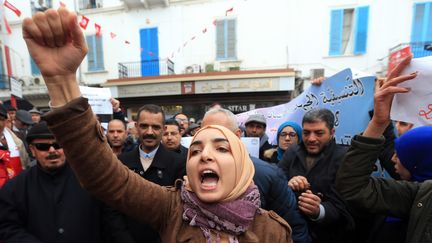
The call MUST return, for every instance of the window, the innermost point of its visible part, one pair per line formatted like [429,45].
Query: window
[226,39]
[348,31]
[421,33]
[95,53]
[34,68]
[89,4]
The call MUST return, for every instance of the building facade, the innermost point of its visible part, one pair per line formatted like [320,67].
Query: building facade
[142,41]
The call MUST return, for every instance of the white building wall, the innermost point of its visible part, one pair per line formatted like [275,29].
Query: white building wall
[270,34]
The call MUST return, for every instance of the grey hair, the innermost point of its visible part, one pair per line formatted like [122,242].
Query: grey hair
[231,117]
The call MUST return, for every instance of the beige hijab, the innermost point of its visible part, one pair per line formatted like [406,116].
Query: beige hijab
[243,166]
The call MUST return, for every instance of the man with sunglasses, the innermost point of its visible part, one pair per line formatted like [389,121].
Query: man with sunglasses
[46,202]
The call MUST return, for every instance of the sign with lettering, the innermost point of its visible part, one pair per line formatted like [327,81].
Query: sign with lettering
[415,106]
[244,85]
[348,95]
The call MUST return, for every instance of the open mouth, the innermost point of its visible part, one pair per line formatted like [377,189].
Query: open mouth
[209,179]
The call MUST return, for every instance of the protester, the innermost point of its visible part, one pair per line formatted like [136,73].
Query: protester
[402,127]
[288,133]
[46,202]
[132,132]
[178,214]
[19,158]
[402,199]
[35,115]
[272,184]
[153,162]
[183,121]
[117,137]
[255,127]
[193,128]
[311,168]
[171,138]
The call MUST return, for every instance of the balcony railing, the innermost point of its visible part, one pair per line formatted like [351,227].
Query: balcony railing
[4,81]
[155,67]
[419,49]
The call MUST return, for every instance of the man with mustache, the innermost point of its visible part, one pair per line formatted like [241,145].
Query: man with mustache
[46,202]
[152,161]
[311,168]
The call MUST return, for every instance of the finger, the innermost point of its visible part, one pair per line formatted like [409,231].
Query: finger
[63,14]
[311,209]
[398,80]
[304,181]
[77,35]
[42,23]
[56,27]
[31,32]
[310,198]
[394,90]
[305,210]
[400,67]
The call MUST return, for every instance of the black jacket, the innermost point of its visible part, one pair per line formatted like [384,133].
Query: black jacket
[38,207]
[166,167]
[337,221]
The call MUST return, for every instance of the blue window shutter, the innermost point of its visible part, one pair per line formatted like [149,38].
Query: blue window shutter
[231,39]
[95,58]
[34,68]
[99,53]
[336,28]
[428,22]
[220,39]
[91,59]
[362,20]
[418,18]
[149,42]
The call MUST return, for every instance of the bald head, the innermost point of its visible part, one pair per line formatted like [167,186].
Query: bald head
[221,117]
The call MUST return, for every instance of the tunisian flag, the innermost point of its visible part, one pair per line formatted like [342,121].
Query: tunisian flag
[84,22]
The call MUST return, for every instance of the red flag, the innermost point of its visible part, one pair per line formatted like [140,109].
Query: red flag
[214,22]
[63,4]
[127,42]
[8,28]
[113,35]
[84,22]
[204,30]
[229,10]
[12,7]
[98,30]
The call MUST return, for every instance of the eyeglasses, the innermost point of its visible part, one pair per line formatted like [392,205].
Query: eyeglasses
[290,134]
[46,146]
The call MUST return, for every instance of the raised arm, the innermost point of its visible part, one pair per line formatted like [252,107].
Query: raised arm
[353,180]
[57,45]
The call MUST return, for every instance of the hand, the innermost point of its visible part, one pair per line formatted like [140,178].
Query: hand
[309,204]
[299,183]
[318,81]
[57,45]
[115,104]
[55,42]
[383,99]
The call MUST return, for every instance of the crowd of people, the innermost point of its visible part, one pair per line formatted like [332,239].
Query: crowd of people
[65,179]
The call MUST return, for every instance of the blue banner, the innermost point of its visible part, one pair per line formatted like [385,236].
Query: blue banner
[349,98]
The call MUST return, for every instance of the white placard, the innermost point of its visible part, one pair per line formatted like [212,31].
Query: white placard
[415,106]
[16,87]
[252,144]
[98,98]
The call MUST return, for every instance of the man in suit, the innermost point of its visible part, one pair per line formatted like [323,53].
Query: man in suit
[152,161]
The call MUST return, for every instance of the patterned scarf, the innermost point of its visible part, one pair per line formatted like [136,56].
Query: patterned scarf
[233,217]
